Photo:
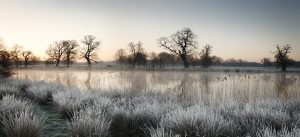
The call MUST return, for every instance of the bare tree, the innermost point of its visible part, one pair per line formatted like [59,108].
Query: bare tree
[27,55]
[182,43]
[16,52]
[91,47]
[217,60]
[153,58]
[137,56]
[266,62]
[4,55]
[55,52]
[121,56]
[205,56]
[281,56]
[4,59]
[70,51]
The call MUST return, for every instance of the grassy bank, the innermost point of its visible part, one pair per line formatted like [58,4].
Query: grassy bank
[134,114]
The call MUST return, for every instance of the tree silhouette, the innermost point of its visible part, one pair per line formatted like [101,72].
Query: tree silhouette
[205,56]
[70,51]
[281,56]
[4,55]
[137,56]
[121,56]
[27,55]
[182,43]
[92,45]
[153,58]
[16,52]
[216,60]
[266,62]
[4,59]
[55,52]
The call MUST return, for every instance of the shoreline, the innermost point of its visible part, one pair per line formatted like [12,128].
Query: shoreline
[171,69]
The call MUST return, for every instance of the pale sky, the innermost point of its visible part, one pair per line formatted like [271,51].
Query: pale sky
[246,29]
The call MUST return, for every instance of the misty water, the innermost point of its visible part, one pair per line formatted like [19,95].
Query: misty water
[219,86]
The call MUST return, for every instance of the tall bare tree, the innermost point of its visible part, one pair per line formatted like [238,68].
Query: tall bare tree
[4,55]
[281,55]
[137,56]
[182,43]
[70,50]
[205,56]
[92,45]
[55,52]
[5,59]
[121,56]
[16,52]
[27,55]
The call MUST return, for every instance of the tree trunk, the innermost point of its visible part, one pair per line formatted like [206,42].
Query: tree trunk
[68,59]
[186,64]
[57,63]
[283,67]
[89,62]
[25,63]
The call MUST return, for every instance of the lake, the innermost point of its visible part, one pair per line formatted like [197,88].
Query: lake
[208,86]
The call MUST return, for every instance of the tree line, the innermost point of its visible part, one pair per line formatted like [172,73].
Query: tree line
[16,55]
[66,51]
[182,49]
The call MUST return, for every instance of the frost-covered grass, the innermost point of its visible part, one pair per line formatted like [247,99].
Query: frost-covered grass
[9,104]
[22,124]
[90,122]
[43,91]
[17,118]
[133,114]
[267,132]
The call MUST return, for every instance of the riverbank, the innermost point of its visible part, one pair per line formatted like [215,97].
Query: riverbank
[170,68]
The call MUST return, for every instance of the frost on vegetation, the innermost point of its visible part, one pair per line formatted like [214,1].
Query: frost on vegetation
[12,87]
[250,117]
[198,121]
[68,102]
[17,118]
[20,84]
[161,132]
[268,132]
[127,114]
[90,122]
[11,105]
[8,90]
[42,92]
[22,124]
[71,101]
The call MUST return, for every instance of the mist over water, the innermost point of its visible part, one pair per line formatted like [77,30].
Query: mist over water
[207,86]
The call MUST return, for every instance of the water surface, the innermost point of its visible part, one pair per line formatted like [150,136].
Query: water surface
[205,85]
